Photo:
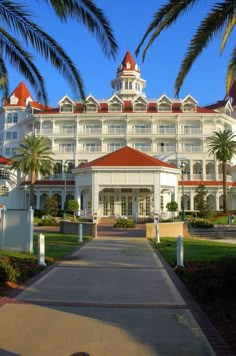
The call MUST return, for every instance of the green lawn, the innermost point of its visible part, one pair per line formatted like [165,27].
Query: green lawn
[57,246]
[196,250]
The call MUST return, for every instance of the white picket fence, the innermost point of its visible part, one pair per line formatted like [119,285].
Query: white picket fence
[16,230]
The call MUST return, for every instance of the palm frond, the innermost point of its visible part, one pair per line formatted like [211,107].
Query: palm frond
[228,31]
[86,12]
[17,18]
[163,18]
[4,83]
[23,62]
[231,71]
[212,24]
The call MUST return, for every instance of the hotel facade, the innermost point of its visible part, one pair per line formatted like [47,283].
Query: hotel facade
[165,137]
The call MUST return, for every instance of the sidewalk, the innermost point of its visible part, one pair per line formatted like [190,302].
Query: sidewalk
[113,297]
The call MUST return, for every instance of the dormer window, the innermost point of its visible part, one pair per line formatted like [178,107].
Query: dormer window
[91,107]
[164,104]
[14,100]
[140,107]
[188,107]
[189,104]
[115,104]
[67,107]
[66,104]
[115,107]
[164,107]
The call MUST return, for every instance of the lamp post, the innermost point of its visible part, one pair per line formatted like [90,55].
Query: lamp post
[182,167]
[65,172]
[25,195]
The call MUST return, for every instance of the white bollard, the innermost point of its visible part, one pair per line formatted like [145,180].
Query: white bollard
[41,250]
[157,233]
[80,233]
[180,251]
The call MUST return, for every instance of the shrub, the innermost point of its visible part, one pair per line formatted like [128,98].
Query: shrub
[7,271]
[124,223]
[49,220]
[201,223]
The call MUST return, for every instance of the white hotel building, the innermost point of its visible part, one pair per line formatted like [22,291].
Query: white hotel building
[170,130]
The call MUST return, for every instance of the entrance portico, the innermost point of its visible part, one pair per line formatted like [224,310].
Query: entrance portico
[127,183]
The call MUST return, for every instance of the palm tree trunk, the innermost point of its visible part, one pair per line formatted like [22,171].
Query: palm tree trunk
[33,179]
[225,202]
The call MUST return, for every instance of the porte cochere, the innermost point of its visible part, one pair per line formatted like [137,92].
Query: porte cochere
[126,183]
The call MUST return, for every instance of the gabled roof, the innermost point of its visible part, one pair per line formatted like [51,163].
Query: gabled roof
[126,157]
[23,97]
[5,161]
[22,93]
[128,63]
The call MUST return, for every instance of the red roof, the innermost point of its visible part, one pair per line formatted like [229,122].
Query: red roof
[128,63]
[126,156]
[23,93]
[5,161]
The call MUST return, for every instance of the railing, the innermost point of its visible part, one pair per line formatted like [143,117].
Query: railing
[166,130]
[192,149]
[116,131]
[140,131]
[192,130]
[90,131]
[43,132]
[92,149]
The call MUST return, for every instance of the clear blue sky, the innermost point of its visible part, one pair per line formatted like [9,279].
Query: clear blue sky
[129,19]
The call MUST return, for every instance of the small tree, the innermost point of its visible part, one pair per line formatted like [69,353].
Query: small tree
[173,207]
[51,205]
[201,202]
[73,205]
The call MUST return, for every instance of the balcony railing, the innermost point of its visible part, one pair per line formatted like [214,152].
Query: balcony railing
[140,131]
[116,131]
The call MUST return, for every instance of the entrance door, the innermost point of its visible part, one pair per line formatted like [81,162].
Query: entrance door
[126,205]
[144,206]
[108,205]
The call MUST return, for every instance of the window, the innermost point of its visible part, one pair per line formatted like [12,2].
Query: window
[114,146]
[92,128]
[191,128]
[3,190]
[188,107]
[140,107]
[126,85]
[142,146]
[14,135]
[15,118]
[9,118]
[167,147]
[192,147]
[66,108]
[116,129]
[8,135]
[13,151]
[167,128]
[66,147]
[67,129]
[115,107]
[164,107]
[91,147]
[91,107]
[130,85]
[141,128]
[7,151]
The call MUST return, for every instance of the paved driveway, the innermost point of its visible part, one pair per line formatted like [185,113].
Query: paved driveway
[113,297]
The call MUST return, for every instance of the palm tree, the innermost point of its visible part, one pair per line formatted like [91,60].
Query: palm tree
[223,145]
[16,21]
[220,18]
[33,159]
